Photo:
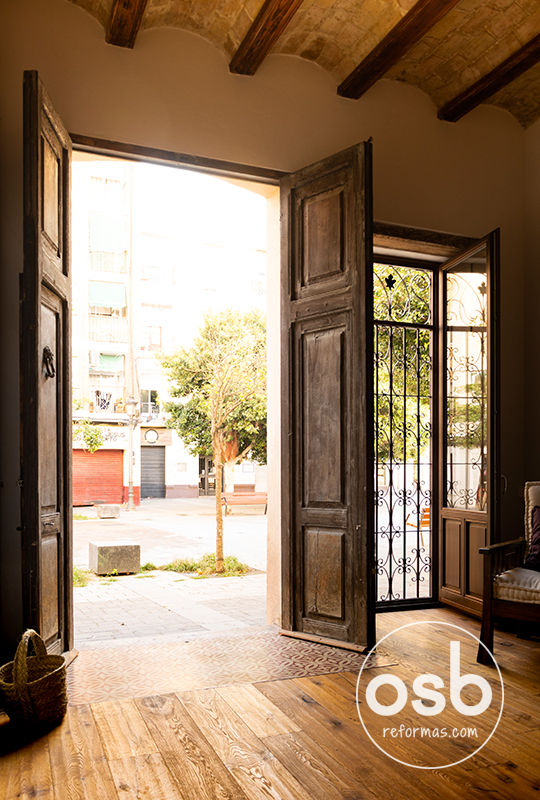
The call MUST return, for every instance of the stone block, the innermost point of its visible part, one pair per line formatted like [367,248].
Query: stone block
[108,510]
[114,557]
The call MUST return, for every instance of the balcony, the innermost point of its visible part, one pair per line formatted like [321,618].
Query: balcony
[102,328]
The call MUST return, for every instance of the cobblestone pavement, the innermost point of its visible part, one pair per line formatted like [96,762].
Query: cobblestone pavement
[166,607]
[175,528]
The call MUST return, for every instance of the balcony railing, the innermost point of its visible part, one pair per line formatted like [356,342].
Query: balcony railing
[107,329]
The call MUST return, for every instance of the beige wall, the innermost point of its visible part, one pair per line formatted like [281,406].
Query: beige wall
[532,299]
[174,91]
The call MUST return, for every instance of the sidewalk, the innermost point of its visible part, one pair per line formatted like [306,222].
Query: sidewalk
[166,607]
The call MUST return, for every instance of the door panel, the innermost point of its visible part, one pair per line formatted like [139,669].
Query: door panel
[451,552]
[469,444]
[152,471]
[45,372]
[327,469]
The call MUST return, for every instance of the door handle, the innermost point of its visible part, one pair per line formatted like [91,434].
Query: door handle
[48,362]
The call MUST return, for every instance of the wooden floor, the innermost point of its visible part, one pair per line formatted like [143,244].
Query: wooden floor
[294,739]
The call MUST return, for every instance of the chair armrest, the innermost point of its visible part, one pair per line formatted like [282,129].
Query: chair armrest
[501,556]
[511,544]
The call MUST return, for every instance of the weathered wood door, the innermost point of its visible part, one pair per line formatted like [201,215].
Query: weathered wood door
[327,394]
[45,372]
[470,479]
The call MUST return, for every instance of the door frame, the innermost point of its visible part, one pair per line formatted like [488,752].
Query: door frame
[385,235]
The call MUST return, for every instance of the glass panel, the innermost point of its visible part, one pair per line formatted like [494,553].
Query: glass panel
[403,339]
[466,384]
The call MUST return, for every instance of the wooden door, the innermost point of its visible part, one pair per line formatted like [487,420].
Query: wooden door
[327,423]
[469,414]
[45,372]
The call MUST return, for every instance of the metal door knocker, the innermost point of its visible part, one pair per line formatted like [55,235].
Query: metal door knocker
[48,363]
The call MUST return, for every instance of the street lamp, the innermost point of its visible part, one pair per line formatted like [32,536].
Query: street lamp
[131,405]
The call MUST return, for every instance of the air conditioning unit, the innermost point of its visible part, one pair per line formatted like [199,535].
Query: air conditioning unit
[93,359]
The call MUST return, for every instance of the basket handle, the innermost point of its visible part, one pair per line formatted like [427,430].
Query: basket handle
[20,671]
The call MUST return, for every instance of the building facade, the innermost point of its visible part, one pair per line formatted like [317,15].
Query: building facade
[143,277]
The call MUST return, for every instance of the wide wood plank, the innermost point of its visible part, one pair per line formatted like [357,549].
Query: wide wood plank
[187,753]
[122,729]
[321,775]
[145,778]
[254,767]
[259,714]
[79,767]
[263,33]
[26,773]
[333,692]
[484,88]
[416,22]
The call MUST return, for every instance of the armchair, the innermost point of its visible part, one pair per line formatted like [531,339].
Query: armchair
[511,591]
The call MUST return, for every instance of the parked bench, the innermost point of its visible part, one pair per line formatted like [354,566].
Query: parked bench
[229,499]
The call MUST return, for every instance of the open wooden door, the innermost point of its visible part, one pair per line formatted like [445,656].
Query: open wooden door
[470,479]
[45,372]
[327,391]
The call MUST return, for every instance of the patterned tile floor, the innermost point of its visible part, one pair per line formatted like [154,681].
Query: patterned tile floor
[243,657]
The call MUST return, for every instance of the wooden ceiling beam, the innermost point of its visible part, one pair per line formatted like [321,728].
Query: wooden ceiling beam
[415,24]
[125,21]
[264,32]
[484,88]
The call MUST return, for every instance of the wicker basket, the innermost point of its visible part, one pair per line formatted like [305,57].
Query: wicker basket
[34,688]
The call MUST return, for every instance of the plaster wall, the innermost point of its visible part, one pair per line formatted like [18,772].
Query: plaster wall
[174,91]
[532,297]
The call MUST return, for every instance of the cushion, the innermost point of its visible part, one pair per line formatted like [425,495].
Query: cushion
[518,584]
[533,557]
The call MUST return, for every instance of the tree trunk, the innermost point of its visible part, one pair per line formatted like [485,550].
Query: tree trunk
[219,517]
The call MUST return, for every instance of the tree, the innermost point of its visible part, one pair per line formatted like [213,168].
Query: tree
[221,385]
[85,431]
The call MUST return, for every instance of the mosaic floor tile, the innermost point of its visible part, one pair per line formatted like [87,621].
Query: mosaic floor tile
[116,673]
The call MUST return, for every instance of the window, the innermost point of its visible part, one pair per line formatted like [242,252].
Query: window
[152,337]
[109,362]
[107,299]
[149,402]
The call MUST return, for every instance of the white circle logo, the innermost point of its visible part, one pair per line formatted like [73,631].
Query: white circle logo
[430,711]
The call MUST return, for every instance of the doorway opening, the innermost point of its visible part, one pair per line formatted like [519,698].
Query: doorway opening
[156,251]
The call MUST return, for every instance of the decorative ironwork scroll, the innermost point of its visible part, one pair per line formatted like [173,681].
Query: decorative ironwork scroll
[403,342]
[466,385]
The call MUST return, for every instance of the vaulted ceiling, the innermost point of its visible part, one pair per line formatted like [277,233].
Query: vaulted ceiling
[461,52]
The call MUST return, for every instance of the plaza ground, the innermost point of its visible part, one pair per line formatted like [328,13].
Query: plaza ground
[162,606]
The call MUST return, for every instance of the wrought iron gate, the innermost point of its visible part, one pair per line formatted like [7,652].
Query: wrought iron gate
[403,409]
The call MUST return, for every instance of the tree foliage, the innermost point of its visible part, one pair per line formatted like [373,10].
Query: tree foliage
[89,434]
[220,383]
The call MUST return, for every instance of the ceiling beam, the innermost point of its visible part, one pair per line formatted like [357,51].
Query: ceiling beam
[510,69]
[416,22]
[125,21]
[264,32]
